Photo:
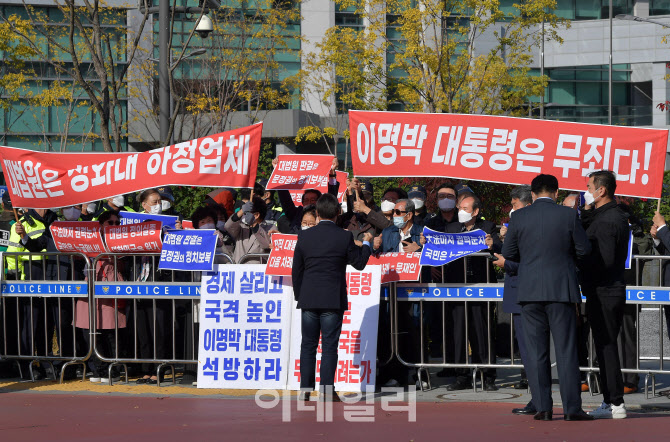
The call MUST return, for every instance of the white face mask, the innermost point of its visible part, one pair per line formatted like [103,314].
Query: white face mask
[589,198]
[207,226]
[464,217]
[165,205]
[220,225]
[446,204]
[387,206]
[418,203]
[511,212]
[118,201]
[155,209]
[71,213]
[91,208]
[305,227]
[344,207]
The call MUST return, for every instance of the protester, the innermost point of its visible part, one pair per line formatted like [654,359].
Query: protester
[309,218]
[548,291]
[604,285]
[322,254]
[206,218]
[249,230]
[110,313]
[274,209]
[661,237]
[6,220]
[147,314]
[473,269]
[403,236]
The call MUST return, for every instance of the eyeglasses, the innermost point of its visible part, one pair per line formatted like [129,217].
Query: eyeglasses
[398,212]
[441,196]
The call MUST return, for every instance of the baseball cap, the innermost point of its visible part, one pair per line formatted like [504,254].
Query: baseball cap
[366,186]
[460,188]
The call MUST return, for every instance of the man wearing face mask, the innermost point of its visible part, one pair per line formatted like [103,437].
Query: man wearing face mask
[603,283]
[418,196]
[249,230]
[403,236]
[116,203]
[384,218]
[473,269]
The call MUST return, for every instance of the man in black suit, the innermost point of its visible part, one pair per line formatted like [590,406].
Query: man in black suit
[472,269]
[320,261]
[544,239]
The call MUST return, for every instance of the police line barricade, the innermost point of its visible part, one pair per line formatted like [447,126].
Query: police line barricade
[39,310]
[385,350]
[489,293]
[160,310]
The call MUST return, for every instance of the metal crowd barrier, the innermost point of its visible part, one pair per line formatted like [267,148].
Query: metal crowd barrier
[165,337]
[39,310]
[491,293]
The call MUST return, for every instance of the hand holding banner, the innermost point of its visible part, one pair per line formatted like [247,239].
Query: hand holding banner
[300,172]
[442,248]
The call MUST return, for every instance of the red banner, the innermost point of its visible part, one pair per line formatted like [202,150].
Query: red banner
[280,261]
[302,172]
[398,266]
[47,179]
[506,149]
[342,178]
[78,236]
[186,224]
[143,237]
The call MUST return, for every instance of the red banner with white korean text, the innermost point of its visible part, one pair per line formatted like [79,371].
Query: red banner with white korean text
[294,172]
[48,179]
[398,266]
[506,149]
[142,238]
[78,236]
[280,261]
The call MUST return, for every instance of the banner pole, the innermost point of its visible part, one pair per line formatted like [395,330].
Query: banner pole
[658,205]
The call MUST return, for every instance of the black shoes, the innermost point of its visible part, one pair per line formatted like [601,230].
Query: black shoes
[490,385]
[304,396]
[581,416]
[521,385]
[459,385]
[527,410]
[543,416]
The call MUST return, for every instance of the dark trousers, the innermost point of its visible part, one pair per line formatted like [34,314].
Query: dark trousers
[520,337]
[628,345]
[605,311]
[147,334]
[105,343]
[328,324]
[478,330]
[539,319]
[33,323]
[61,316]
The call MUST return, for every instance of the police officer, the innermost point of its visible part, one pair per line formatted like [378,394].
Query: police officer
[30,235]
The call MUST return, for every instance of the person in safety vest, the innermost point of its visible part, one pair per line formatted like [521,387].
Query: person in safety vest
[30,234]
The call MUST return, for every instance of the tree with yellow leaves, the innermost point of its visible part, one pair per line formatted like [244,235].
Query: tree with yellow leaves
[457,56]
[89,50]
